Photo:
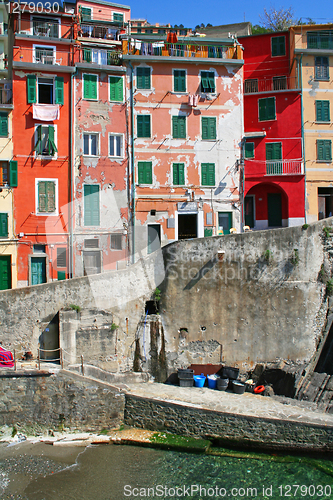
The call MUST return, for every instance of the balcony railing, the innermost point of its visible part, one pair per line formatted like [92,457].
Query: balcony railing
[46,29]
[98,31]
[270,84]
[100,56]
[284,167]
[320,39]
[5,95]
[38,55]
[182,50]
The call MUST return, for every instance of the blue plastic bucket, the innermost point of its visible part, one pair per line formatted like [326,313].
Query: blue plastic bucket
[212,382]
[199,380]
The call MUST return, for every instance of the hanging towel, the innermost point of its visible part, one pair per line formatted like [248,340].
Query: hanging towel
[6,358]
[46,112]
[190,99]
[195,100]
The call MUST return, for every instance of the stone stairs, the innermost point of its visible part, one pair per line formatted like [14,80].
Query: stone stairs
[318,388]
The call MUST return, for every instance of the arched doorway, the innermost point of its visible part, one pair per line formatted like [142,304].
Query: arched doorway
[266,206]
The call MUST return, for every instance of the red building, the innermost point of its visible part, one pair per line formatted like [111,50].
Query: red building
[273,157]
[42,69]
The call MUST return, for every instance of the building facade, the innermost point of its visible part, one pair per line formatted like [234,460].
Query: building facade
[312,51]
[187,123]
[272,146]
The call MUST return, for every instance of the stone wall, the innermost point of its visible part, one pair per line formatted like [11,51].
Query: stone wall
[226,428]
[59,401]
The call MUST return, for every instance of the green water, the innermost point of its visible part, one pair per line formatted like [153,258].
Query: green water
[118,472]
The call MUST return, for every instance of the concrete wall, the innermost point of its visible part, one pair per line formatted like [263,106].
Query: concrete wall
[65,400]
[257,308]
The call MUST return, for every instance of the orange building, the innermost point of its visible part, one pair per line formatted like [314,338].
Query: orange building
[42,73]
[186,110]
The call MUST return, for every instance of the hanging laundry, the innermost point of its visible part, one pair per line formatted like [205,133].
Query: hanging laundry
[195,100]
[190,99]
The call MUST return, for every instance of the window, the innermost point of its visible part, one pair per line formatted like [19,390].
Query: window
[61,257]
[179,127]
[266,109]
[207,81]
[45,90]
[321,68]
[46,197]
[44,55]
[3,124]
[3,225]
[179,80]
[274,153]
[43,28]
[91,243]
[145,172]
[320,39]
[154,237]
[208,125]
[178,174]
[118,17]
[143,126]
[45,141]
[143,78]
[116,88]
[8,174]
[116,241]
[90,144]
[324,150]
[86,13]
[249,150]
[322,111]
[99,56]
[90,87]
[208,174]
[278,46]
[91,205]
[116,145]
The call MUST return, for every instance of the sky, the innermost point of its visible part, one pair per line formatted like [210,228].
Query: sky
[193,12]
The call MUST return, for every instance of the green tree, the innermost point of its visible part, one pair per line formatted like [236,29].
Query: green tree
[258,30]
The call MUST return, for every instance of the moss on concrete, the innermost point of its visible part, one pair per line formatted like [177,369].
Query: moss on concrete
[180,443]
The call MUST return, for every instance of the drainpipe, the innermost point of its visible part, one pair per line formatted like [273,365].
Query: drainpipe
[303,141]
[72,179]
[132,164]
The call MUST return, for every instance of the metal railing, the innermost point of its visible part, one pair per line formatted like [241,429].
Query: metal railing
[45,29]
[182,50]
[270,84]
[38,55]
[5,96]
[98,31]
[284,167]
[320,39]
[100,56]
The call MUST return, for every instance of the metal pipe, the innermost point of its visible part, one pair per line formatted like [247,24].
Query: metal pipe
[132,162]
[303,140]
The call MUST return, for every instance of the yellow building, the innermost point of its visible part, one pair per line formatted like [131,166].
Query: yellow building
[312,62]
[8,168]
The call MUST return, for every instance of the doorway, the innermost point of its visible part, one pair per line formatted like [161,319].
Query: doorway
[187,226]
[249,211]
[274,208]
[154,237]
[225,222]
[5,272]
[49,340]
[38,270]
[325,203]
[91,262]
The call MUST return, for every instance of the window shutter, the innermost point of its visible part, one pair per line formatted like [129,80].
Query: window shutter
[324,150]
[208,174]
[181,176]
[204,176]
[328,150]
[93,86]
[212,128]
[205,132]
[50,192]
[41,196]
[211,81]
[179,127]
[52,147]
[31,89]
[274,46]
[281,45]
[85,13]
[143,78]
[211,174]
[146,123]
[86,86]
[175,173]
[323,111]
[3,225]
[204,81]
[116,88]
[3,124]
[262,110]
[59,90]
[179,81]
[143,126]
[270,112]
[148,173]
[91,205]
[38,146]
[13,173]
[90,86]
[87,55]
[249,150]
[141,172]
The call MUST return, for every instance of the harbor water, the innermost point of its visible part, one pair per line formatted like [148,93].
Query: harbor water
[113,472]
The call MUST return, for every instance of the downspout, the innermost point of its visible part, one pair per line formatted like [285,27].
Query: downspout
[242,171]
[132,164]
[72,179]
[300,76]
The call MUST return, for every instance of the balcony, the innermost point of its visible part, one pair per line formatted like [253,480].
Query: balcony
[187,50]
[100,32]
[46,29]
[284,167]
[100,56]
[5,95]
[40,55]
[270,84]
[320,40]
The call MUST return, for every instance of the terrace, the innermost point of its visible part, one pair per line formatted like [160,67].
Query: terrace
[284,167]
[270,84]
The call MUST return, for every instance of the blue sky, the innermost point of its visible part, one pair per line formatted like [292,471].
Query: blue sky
[193,12]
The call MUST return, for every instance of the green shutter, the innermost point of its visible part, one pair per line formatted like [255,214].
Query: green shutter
[87,55]
[59,90]
[267,109]
[178,174]
[179,127]
[13,173]
[42,196]
[322,111]
[143,126]
[179,77]
[118,17]
[31,89]
[51,144]
[211,81]
[85,13]
[91,205]
[208,174]
[208,128]
[90,87]
[274,151]
[324,150]
[145,172]
[3,124]
[46,197]
[143,78]
[208,232]
[249,150]
[38,146]
[3,225]
[50,196]
[116,88]
[278,46]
